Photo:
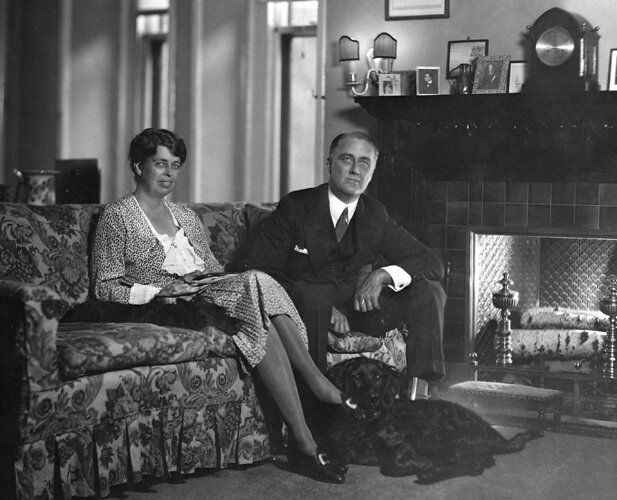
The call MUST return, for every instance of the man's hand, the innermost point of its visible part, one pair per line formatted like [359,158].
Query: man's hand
[368,292]
[339,324]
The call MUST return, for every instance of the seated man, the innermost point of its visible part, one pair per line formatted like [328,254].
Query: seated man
[348,266]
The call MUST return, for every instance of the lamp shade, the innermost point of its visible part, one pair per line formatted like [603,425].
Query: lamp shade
[349,49]
[384,46]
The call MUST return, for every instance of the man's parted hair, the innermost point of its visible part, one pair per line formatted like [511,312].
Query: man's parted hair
[356,134]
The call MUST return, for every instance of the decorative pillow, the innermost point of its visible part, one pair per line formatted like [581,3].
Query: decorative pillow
[88,348]
[392,352]
[355,342]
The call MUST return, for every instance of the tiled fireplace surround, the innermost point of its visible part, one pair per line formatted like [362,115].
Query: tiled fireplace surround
[451,208]
[448,165]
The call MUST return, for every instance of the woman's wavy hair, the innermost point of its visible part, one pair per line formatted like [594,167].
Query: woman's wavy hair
[144,145]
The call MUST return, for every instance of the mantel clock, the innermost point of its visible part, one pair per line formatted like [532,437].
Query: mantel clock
[563,53]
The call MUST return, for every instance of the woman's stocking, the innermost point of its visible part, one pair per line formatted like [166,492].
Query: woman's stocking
[276,373]
[302,362]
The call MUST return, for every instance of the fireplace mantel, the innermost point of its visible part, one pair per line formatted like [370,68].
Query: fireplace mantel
[505,137]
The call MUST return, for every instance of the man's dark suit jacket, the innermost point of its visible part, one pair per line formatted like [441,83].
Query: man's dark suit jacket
[294,242]
[294,247]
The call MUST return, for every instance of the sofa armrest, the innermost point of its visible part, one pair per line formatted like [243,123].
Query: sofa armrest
[30,323]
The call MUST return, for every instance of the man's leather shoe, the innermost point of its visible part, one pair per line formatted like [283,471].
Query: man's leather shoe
[418,389]
[318,466]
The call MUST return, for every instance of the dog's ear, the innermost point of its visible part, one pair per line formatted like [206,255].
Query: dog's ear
[338,374]
[393,384]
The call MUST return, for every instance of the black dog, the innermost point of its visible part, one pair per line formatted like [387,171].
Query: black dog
[432,439]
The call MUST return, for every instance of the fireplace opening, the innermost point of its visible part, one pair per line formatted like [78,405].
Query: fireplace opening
[561,278]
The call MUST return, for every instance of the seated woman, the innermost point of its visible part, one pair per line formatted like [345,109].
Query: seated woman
[144,243]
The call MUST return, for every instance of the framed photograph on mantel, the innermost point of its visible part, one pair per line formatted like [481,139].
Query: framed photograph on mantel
[464,52]
[417,9]
[491,75]
[517,76]
[427,80]
[612,71]
[389,84]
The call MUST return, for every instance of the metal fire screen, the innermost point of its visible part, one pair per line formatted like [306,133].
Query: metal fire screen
[547,270]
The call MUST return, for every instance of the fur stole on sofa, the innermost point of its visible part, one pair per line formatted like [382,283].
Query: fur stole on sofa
[195,314]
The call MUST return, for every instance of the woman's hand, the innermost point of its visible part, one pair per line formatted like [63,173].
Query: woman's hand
[178,289]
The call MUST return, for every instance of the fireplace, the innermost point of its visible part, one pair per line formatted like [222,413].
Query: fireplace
[532,177]
[507,163]
[451,213]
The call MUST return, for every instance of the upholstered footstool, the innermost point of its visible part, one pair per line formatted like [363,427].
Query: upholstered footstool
[488,395]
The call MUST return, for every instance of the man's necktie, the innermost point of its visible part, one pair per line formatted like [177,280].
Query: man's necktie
[341,225]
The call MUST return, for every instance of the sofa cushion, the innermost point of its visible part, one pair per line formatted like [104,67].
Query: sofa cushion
[225,225]
[88,348]
[255,217]
[356,342]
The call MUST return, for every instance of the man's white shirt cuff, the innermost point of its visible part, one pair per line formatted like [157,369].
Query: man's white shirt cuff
[400,278]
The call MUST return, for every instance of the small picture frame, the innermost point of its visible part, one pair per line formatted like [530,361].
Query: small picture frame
[612,71]
[517,76]
[427,80]
[464,51]
[491,75]
[417,9]
[389,84]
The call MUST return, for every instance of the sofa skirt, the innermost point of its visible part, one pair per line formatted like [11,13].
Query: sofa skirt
[99,431]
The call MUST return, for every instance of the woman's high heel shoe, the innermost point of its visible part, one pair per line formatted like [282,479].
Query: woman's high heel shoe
[318,466]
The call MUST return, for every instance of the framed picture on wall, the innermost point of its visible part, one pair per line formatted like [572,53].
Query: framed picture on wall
[464,51]
[427,78]
[491,75]
[417,9]
[612,71]
[517,76]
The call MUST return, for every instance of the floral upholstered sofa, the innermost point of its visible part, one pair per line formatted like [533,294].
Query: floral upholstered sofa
[86,406]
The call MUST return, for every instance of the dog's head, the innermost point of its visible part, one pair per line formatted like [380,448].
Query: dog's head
[370,383]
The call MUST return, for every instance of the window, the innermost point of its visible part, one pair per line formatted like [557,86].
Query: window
[295,23]
[292,13]
[152,29]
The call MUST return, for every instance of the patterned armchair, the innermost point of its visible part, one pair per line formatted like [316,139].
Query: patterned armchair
[87,406]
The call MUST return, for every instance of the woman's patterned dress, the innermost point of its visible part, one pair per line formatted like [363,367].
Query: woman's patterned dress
[126,251]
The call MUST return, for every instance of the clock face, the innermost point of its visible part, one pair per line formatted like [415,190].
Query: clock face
[555,46]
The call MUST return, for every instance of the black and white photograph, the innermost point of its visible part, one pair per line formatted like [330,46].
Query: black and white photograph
[308,249]
[491,75]
[612,71]
[389,84]
[464,52]
[427,80]
[517,76]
